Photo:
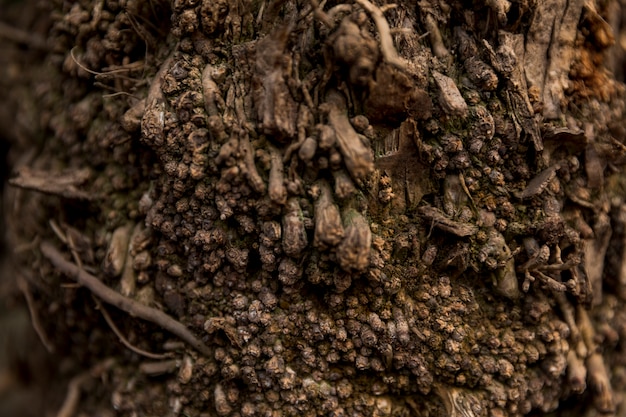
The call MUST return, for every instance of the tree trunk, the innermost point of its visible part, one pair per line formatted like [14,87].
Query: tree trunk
[301,208]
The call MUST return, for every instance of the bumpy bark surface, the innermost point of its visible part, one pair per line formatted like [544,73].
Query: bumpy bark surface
[301,208]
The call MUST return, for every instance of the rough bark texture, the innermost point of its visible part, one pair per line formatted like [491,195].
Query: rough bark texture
[303,208]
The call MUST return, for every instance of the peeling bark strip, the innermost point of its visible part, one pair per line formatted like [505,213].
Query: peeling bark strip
[550,49]
[276,109]
[63,184]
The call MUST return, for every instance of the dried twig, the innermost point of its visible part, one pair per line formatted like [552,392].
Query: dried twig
[57,231]
[72,246]
[34,318]
[67,238]
[112,297]
[65,235]
[123,339]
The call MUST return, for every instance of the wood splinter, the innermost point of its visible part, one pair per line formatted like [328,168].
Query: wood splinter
[112,297]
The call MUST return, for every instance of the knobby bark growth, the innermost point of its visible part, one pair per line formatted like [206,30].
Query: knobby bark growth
[360,208]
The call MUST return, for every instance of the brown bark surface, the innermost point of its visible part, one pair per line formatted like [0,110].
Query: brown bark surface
[301,208]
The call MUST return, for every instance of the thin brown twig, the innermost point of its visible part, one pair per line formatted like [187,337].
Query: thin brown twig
[123,339]
[72,246]
[119,93]
[57,231]
[114,73]
[146,22]
[131,66]
[105,314]
[114,298]
[34,317]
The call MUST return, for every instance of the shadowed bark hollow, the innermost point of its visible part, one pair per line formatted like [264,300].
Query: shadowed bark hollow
[308,208]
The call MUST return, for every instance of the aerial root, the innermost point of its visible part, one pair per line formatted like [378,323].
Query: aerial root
[123,339]
[436,40]
[389,52]
[155,93]
[126,304]
[390,55]
[72,397]
[22,283]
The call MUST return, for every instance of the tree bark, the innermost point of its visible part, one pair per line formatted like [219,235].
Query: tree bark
[342,209]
